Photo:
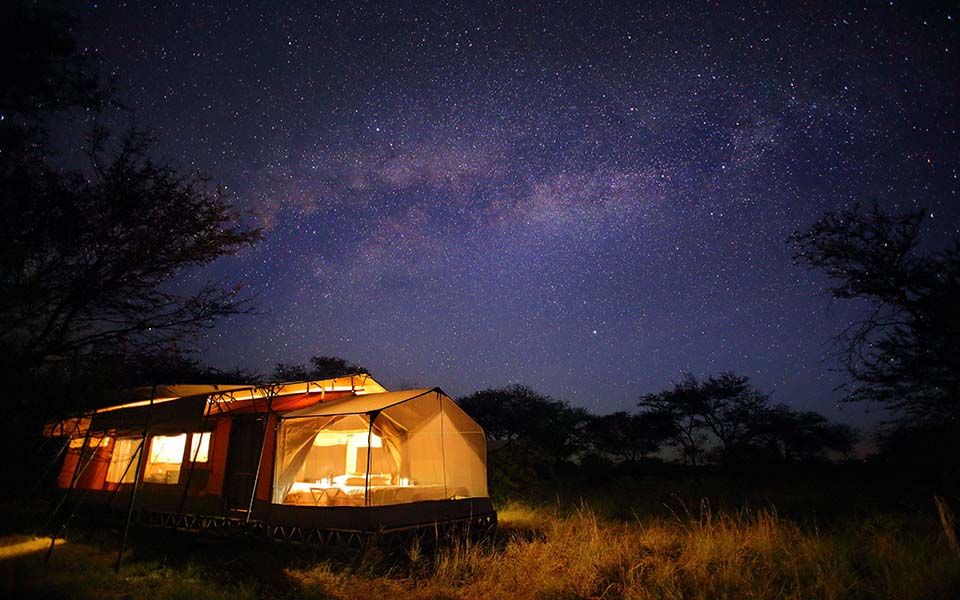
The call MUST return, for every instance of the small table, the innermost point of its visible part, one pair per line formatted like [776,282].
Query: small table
[324,496]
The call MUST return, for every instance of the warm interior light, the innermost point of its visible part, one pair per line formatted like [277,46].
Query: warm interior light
[166,454]
[351,439]
[123,461]
[167,449]
[200,447]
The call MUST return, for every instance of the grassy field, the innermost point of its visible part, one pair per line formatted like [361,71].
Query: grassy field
[842,539]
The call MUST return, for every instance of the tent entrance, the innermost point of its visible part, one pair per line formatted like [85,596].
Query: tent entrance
[242,458]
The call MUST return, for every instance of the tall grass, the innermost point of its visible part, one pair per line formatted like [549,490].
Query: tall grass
[545,552]
[750,554]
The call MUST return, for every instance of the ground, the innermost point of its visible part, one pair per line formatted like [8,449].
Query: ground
[817,534]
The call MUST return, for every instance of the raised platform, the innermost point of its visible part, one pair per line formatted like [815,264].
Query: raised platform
[449,520]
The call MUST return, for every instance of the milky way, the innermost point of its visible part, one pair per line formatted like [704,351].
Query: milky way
[590,200]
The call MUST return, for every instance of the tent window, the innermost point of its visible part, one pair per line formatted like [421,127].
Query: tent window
[92,442]
[124,453]
[336,453]
[414,449]
[200,447]
[166,455]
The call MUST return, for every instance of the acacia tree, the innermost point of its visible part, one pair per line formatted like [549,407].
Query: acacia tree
[91,262]
[321,367]
[903,352]
[801,435]
[92,256]
[545,427]
[44,68]
[630,437]
[729,406]
[681,406]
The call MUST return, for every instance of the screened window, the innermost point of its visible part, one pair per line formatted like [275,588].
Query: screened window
[123,461]
[166,456]
[200,447]
[393,450]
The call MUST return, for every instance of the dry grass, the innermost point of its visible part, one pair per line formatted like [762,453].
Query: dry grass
[546,553]
[706,555]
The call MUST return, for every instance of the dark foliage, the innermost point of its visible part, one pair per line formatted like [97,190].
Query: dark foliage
[727,409]
[724,405]
[903,352]
[800,435]
[88,257]
[93,257]
[629,437]
[44,68]
[321,367]
[546,428]
[719,419]
[86,260]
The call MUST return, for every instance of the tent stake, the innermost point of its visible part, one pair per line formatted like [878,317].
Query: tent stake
[136,479]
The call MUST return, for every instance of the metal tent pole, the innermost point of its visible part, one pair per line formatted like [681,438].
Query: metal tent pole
[77,472]
[443,450]
[193,456]
[136,478]
[263,442]
[126,469]
[54,460]
[366,483]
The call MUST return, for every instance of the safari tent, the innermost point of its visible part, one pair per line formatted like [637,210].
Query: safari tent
[302,460]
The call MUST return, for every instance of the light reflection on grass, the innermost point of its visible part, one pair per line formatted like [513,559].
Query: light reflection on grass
[539,552]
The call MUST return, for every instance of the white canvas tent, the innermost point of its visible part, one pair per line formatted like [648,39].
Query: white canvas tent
[379,449]
[306,460]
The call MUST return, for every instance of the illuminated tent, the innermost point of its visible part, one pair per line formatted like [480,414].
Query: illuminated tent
[379,449]
[336,454]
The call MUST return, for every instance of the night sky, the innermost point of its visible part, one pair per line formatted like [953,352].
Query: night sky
[587,199]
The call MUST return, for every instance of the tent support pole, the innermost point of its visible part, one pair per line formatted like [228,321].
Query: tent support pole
[136,479]
[443,451]
[55,460]
[271,392]
[135,455]
[77,472]
[193,456]
[366,483]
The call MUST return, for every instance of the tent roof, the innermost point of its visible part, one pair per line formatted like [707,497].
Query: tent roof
[360,404]
[358,384]
[175,403]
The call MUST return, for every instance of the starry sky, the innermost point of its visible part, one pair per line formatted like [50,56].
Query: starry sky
[587,198]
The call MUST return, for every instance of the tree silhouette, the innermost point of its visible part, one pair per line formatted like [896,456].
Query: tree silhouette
[321,367]
[729,405]
[44,67]
[723,405]
[682,406]
[727,409]
[93,257]
[544,426]
[903,352]
[86,261]
[801,435]
[630,437]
